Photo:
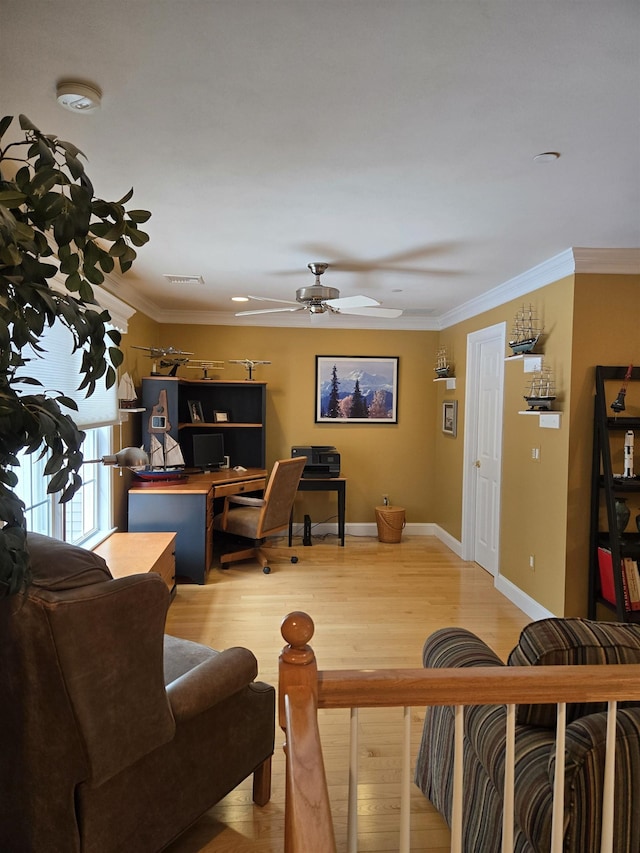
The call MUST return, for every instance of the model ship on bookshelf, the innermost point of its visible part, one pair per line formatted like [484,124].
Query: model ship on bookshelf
[526,331]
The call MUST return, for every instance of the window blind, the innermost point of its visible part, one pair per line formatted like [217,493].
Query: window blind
[59,371]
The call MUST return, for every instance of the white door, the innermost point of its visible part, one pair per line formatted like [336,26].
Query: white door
[483,447]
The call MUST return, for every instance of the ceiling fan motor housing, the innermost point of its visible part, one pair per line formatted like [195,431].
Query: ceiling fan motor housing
[314,297]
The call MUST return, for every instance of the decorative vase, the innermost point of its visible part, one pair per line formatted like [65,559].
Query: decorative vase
[623,514]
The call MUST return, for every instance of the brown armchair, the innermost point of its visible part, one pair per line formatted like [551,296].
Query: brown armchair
[257,518]
[113,735]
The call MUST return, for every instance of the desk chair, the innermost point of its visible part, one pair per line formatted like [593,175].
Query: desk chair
[257,518]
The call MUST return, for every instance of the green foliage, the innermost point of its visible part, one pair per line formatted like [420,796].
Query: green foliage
[48,212]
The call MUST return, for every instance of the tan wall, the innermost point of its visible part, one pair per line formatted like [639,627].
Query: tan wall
[533,517]
[396,459]
[606,319]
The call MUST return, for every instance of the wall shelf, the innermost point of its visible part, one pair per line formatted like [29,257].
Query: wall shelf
[531,361]
[547,420]
[450,380]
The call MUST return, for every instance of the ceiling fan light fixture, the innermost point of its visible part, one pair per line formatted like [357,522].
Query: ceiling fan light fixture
[78,97]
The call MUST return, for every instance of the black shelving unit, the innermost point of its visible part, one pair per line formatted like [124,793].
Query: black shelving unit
[242,404]
[605,486]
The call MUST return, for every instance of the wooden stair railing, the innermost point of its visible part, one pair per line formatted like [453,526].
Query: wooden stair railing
[303,690]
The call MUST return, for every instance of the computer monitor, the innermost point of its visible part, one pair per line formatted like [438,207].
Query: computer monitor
[208,450]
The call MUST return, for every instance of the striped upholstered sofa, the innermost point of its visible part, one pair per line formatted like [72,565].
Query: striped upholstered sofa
[546,642]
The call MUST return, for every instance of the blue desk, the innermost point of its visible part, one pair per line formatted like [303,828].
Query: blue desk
[330,484]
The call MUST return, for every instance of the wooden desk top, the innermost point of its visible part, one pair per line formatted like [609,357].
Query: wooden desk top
[199,483]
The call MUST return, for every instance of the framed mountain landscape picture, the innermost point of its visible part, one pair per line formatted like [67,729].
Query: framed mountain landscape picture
[356,389]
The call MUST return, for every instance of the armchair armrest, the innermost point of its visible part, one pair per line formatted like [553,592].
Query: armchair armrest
[210,682]
[457,647]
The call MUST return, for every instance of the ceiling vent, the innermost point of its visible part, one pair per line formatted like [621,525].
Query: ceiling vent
[184,279]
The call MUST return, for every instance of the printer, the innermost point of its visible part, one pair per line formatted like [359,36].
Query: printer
[323,461]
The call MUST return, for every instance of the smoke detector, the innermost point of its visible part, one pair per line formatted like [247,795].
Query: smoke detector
[78,97]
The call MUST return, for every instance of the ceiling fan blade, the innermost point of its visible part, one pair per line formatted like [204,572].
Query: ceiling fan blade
[269,299]
[266,311]
[343,302]
[389,313]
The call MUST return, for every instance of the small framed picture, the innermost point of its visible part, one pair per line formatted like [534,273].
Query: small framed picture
[221,417]
[195,411]
[450,417]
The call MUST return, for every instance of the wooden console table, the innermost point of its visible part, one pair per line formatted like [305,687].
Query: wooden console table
[330,484]
[137,553]
[186,508]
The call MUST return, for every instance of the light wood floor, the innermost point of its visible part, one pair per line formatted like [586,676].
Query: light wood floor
[373,605]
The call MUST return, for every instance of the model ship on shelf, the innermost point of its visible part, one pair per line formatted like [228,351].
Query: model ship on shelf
[443,368]
[541,391]
[166,461]
[526,331]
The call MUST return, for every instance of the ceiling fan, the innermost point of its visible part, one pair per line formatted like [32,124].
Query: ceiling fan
[318,299]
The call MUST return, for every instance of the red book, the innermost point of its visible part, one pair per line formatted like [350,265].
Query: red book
[607,587]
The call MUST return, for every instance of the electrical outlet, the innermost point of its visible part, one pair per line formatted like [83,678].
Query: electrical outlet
[532,562]
[385,500]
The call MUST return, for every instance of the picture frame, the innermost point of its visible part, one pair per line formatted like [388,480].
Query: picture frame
[220,417]
[195,411]
[450,417]
[356,389]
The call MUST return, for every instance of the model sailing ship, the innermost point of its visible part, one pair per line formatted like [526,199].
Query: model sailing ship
[526,331]
[541,391]
[443,366]
[166,461]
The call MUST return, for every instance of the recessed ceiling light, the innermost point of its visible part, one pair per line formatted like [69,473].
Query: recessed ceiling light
[184,279]
[546,157]
[239,298]
[78,97]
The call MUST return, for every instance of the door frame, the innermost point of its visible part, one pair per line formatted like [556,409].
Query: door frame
[496,332]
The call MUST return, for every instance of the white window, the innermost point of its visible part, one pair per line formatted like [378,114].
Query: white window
[87,518]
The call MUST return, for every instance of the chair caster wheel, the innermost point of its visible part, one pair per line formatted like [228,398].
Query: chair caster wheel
[266,570]
[294,559]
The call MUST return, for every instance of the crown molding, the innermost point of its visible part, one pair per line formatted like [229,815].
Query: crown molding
[607,261]
[570,262]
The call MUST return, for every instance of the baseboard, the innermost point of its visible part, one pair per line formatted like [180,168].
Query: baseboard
[528,605]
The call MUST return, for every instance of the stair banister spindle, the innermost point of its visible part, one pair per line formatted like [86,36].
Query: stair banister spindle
[509,775]
[352,811]
[606,835]
[456,814]
[557,815]
[405,781]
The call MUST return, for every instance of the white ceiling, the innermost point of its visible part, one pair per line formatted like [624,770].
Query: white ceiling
[393,138]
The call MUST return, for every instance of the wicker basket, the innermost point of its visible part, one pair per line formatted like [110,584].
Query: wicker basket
[390,521]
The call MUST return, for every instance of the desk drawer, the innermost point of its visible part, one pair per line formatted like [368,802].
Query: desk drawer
[239,488]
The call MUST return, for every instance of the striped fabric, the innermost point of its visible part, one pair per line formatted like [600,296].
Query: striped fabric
[562,642]
[535,748]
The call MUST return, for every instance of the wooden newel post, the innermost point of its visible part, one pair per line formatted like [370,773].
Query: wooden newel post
[307,824]
[297,661]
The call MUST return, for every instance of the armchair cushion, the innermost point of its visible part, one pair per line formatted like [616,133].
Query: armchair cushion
[563,642]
